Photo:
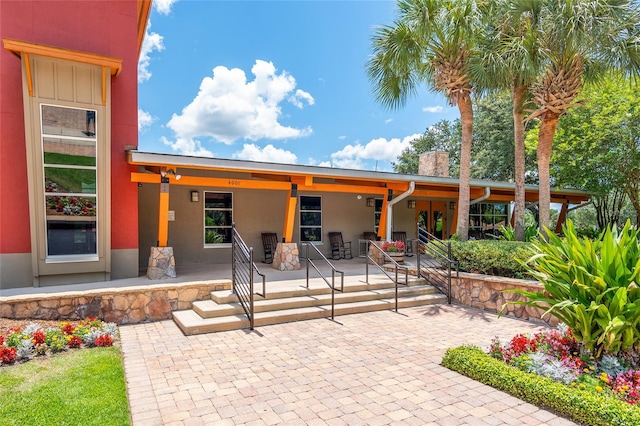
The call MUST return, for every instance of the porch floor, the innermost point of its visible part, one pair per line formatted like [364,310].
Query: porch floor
[354,271]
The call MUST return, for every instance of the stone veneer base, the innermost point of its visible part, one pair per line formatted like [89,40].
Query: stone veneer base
[162,264]
[286,257]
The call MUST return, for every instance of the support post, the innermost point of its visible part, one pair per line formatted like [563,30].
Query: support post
[562,217]
[290,213]
[163,213]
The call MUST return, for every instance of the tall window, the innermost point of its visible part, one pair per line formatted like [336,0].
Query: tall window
[69,145]
[310,218]
[377,211]
[218,217]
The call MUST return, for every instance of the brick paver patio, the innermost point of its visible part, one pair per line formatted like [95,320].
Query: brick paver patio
[375,368]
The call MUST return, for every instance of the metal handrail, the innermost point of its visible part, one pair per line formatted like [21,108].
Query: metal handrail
[440,251]
[242,272]
[395,264]
[332,284]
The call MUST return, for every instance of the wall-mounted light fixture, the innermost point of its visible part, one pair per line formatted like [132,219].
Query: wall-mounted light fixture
[371,202]
[195,196]
[411,204]
[171,172]
[452,205]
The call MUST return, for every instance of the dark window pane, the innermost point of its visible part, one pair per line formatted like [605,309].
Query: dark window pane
[217,218]
[310,218]
[216,200]
[311,234]
[70,206]
[217,235]
[310,203]
[71,237]
[68,122]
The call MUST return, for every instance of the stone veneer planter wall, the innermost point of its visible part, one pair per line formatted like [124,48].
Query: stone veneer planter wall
[486,292]
[126,305]
[131,305]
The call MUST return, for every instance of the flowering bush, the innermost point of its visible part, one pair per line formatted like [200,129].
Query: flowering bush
[33,340]
[392,246]
[557,354]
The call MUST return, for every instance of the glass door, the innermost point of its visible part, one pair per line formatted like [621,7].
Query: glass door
[432,216]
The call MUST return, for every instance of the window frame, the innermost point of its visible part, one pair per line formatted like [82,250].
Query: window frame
[204,219]
[301,227]
[377,213]
[70,218]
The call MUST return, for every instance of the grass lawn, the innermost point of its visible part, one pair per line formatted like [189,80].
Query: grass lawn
[78,387]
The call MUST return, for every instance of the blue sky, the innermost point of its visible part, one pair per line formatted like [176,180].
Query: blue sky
[277,81]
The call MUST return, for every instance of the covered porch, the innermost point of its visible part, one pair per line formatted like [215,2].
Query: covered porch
[189,204]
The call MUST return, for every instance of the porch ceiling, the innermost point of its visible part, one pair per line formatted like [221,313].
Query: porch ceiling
[326,179]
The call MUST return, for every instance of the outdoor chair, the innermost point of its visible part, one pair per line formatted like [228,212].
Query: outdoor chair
[408,244]
[339,248]
[269,243]
[370,236]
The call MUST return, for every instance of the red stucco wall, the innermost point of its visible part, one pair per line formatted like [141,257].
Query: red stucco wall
[102,27]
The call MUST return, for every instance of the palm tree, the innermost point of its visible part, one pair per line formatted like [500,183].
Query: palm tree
[511,61]
[580,39]
[431,42]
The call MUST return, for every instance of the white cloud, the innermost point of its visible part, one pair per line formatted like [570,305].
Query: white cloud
[325,164]
[187,147]
[433,109]
[164,6]
[228,107]
[269,153]
[300,96]
[144,119]
[388,120]
[380,149]
[151,42]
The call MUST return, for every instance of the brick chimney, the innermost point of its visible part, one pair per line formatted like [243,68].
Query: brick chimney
[434,163]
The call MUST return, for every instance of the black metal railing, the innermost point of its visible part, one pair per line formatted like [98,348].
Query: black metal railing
[334,271]
[242,274]
[383,256]
[434,262]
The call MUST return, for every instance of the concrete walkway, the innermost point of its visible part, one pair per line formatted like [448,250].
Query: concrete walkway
[375,368]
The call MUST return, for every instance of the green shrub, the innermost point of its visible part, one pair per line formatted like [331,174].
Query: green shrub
[578,405]
[491,257]
[590,285]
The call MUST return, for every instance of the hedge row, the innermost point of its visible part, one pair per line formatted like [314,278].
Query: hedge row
[577,405]
[491,257]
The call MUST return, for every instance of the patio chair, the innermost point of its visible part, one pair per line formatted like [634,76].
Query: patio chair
[371,236]
[269,243]
[339,248]
[408,243]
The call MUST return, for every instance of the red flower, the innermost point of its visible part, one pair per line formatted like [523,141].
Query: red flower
[38,337]
[104,340]
[75,342]
[67,328]
[8,355]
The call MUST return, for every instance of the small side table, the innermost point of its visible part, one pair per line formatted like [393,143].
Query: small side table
[408,251]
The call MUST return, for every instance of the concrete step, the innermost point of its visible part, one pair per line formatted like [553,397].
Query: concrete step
[191,323]
[231,306]
[319,287]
